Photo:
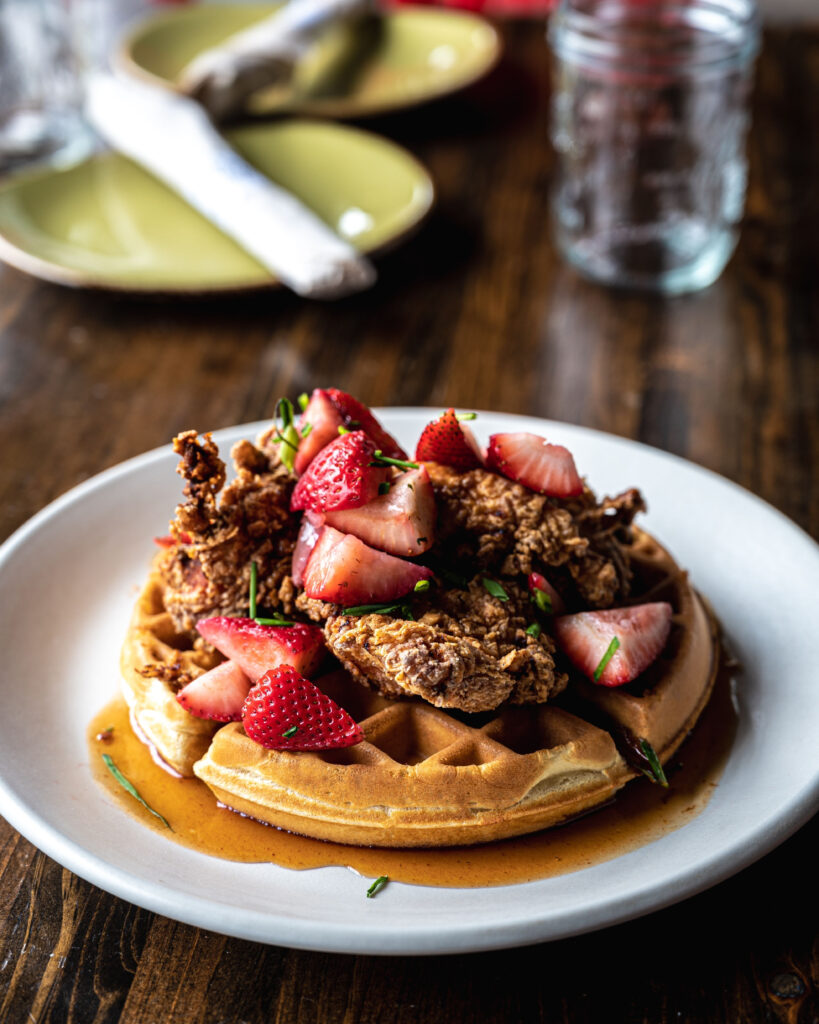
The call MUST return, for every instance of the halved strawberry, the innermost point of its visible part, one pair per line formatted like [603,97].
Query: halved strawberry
[286,712]
[344,570]
[217,694]
[324,420]
[449,441]
[311,525]
[529,459]
[641,631]
[400,522]
[340,476]
[357,416]
[537,581]
[256,648]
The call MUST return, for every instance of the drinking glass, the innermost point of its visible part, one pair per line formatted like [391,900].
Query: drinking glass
[649,119]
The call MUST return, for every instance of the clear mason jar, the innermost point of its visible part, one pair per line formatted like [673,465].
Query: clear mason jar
[649,118]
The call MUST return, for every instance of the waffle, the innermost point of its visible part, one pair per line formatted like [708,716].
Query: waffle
[424,777]
[152,643]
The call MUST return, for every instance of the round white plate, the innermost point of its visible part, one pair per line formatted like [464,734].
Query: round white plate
[67,582]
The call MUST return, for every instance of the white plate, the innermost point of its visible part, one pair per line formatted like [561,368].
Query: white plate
[67,582]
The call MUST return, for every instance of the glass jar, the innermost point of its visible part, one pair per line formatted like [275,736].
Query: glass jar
[649,118]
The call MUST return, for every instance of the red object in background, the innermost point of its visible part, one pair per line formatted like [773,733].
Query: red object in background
[495,8]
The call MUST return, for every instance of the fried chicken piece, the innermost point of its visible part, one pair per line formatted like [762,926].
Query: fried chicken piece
[207,571]
[489,521]
[466,650]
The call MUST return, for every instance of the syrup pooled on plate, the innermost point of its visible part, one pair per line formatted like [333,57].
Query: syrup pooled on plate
[642,813]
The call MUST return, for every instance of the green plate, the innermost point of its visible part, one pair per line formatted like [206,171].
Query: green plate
[107,223]
[402,59]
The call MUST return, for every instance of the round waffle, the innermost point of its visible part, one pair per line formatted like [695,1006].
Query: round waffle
[426,777]
[153,656]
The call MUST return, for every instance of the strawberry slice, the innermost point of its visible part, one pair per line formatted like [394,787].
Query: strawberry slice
[641,631]
[256,648]
[529,459]
[286,712]
[450,442]
[217,694]
[555,604]
[357,416]
[400,522]
[340,476]
[309,531]
[344,570]
[324,420]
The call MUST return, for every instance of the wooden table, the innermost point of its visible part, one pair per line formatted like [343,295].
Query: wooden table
[475,311]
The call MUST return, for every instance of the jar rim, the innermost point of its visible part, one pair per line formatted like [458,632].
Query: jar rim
[671,37]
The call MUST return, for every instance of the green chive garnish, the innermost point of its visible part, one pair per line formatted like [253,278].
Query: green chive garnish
[534,630]
[421,586]
[542,601]
[304,400]
[343,431]
[286,435]
[305,430]
[466,416]
[611,650]
[254,585]
[495,589]
[380,459]
[290,732]
[380,609]
[384,487]
[277,621]
[656,774]
[377,886]
[129,788]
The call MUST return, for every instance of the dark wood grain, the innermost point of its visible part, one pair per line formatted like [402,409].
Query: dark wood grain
[476,311]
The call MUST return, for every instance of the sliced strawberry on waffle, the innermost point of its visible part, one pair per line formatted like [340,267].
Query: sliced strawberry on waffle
[317,427]
[256,648]
[552,603]
[344,570]
[532,461]
[287,712]
[400,522]
[357,416]
[309,532]
[613,647]
[449,441]
[217,694]
[342,475]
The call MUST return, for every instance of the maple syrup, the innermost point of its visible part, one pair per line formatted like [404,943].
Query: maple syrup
[641,814]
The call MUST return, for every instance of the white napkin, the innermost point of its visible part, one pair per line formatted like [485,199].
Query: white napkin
[265,54]
[174,139]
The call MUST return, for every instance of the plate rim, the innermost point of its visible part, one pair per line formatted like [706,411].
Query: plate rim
[22,259]
[379,937]
[338,109]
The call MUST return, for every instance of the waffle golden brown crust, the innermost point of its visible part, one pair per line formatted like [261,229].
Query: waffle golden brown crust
[156,660]
[424,777]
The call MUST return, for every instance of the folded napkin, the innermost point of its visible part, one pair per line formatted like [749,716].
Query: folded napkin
[222,78]
[174,139]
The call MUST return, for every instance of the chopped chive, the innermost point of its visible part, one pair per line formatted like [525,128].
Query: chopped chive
[466,416]
[534,630]
[384,487]
[656,774]
[129,788]
[611,650]
[379,609]
[343,430]
[542,601]
[290,732]
[277,621]
[286,435]
[377,886]
[254,586]
[304,400]
[421,586]
[381,459]
[306,429]
[495,589]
